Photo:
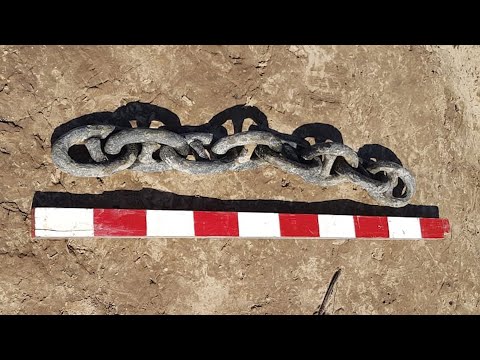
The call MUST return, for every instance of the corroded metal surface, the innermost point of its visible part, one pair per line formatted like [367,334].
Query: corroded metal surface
[326,164]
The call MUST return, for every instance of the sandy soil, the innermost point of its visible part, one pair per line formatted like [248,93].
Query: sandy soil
[422,102]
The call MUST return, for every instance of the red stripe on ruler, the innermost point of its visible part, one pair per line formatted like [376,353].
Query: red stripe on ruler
[119,222]
[434,228]
[215,223]
[371,226]
[299,225]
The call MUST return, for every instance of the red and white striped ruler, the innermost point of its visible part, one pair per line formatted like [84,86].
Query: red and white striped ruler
[74,222]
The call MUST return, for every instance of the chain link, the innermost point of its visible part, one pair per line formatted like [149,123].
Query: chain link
[113,149]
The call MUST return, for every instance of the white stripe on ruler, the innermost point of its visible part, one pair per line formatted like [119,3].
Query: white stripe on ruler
[336,226]
[63,222]
[404,228]
[170,223]
[252,224]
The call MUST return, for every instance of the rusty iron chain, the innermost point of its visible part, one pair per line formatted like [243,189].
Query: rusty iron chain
[113,149]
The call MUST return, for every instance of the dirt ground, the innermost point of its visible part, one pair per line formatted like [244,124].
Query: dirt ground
[422,102]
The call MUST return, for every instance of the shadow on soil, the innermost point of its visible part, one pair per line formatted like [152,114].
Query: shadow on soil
[160,200]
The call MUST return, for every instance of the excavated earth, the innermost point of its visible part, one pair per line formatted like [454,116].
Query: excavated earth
[421,102]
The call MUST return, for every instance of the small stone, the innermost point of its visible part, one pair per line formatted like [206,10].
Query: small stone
[377,254]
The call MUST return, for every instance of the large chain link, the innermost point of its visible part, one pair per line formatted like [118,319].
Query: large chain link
[113,149]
